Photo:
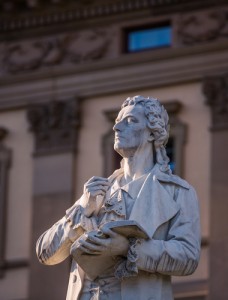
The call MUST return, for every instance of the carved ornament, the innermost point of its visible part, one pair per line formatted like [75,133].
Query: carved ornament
[55,125]
[216,92]
[203,27]
[87,45]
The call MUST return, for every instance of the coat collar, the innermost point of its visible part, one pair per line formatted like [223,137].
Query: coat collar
[132,188]
[114,197]
[153,202]
[161,176]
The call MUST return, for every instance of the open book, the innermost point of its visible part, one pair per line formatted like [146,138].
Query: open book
[127,228]
[96,265]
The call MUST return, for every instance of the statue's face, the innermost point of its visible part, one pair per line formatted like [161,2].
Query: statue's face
[131,131]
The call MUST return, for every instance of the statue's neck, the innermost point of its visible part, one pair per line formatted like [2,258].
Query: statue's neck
[137,165]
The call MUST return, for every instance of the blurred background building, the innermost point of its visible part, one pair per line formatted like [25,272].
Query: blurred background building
[65,69]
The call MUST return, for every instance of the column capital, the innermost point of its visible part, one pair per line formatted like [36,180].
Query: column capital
[55,125]
[216,91]
[5,152]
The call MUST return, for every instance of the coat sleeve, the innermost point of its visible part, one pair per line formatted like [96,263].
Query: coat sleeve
[178,254]
[54,245]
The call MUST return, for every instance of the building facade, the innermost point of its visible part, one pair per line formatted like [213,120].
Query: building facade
[65,69]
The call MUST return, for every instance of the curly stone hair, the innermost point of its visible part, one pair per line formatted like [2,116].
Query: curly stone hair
[158,123]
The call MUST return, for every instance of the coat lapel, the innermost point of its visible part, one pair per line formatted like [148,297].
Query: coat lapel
[153,204]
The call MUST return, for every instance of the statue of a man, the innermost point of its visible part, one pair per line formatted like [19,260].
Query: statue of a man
[143,190]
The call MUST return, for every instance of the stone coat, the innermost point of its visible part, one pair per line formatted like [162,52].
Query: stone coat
[167,208]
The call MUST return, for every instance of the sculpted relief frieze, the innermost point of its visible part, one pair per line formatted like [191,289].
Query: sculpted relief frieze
[62,51]
[203,26]
[68,49]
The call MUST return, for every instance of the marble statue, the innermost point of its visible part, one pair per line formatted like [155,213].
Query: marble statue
[112,264]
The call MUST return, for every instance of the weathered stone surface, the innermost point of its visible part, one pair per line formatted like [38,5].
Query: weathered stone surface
[143,190]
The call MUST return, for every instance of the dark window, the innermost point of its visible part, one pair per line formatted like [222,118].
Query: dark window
[140,39]
[171,153]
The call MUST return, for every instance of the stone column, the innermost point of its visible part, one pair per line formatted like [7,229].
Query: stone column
[55,127]
[216,91]
[5,159]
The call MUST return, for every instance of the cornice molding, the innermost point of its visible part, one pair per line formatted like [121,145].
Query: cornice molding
[35,14]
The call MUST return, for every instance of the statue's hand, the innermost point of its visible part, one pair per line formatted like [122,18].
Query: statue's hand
[93,187]
[114,244]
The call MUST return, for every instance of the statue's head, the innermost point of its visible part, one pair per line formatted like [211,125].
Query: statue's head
[156,125]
